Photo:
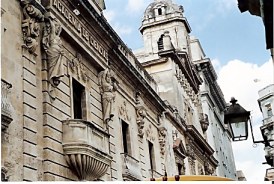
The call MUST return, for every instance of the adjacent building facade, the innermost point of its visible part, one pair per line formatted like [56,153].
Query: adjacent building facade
[266,103]
[77,104]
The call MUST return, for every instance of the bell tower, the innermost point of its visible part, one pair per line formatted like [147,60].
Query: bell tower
[163,19]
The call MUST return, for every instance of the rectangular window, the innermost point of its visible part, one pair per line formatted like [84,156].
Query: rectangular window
[126,138]
[151,156]
[79,100]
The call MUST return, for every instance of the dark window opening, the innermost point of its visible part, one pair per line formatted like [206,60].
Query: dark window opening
[126,138]
[160,43]
[180,167]
[151,156]
[78,99]
[159,11]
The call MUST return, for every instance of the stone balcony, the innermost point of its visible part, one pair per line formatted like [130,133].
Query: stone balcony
[86,149]
[131,168]
[6,107]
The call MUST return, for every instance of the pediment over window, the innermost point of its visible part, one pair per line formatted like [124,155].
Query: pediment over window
[179,149]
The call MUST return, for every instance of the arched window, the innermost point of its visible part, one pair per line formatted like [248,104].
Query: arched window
[159,11]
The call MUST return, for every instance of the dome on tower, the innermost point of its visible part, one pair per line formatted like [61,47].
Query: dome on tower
[162,7]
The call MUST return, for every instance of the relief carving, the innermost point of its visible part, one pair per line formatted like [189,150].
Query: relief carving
[30,25]
[150,133]
[200,170]
[162,139]
[208,170]
[123,111]
[4,176]
[162,133]
[191,158]
[107,86]
[204,121]
[141,114]
[52,45]
[76,66]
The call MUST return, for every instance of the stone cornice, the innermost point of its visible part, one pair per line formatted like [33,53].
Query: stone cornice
[206,67]
[199,140]
[168,20]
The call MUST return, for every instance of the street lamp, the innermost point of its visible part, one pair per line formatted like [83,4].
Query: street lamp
[237,118]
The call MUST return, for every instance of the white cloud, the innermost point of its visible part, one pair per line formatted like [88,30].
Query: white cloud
[243,81]
[225,5]
[238,79]
[136,6]
[252,173]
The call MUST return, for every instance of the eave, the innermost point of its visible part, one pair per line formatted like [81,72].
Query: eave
[199,140]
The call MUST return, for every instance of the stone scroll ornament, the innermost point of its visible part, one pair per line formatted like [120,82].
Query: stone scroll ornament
[107,86]
[30,25]
[141,114]
[52,46]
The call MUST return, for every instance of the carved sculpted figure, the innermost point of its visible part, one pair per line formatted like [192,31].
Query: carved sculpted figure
[52,45]
[107,89]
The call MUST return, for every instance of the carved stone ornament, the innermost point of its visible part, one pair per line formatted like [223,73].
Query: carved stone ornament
[150,133]
[77,67]
[4,174]
[191,158]
[162,139]
[200,169]
[108,87]
[204,121]
[30,25]
[141,114]
[52,45]
[208,170]
[123,112]
[6,107]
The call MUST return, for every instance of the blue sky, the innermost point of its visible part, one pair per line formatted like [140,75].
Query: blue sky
[235,43]
[224,32]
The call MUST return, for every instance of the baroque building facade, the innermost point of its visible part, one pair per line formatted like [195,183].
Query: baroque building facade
[214,105]
[80,105]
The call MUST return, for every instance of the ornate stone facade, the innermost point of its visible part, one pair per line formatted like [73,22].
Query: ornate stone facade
[82,105]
